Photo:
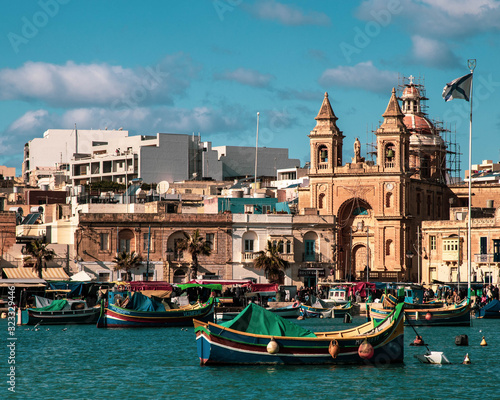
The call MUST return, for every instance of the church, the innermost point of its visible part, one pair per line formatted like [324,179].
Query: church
[379,205]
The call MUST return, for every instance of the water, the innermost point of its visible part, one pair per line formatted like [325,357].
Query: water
[89,363]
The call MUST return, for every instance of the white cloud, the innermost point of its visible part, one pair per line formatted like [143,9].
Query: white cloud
[433,53]
[362,76]
[74,84]
[446,18]
[288,15]
[246,76]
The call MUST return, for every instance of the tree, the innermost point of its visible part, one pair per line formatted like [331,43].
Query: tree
[271,262]
[126,261]
[37,250]
[195,245]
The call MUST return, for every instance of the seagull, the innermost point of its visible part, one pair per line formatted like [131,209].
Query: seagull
[48,329]
[37,329]
[65,329]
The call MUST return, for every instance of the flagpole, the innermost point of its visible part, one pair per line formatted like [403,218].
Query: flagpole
[471,64]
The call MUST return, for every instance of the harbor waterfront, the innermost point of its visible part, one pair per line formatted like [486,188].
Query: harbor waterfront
[83,362]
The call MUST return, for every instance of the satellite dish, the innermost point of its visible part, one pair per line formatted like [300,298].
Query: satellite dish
[162,187]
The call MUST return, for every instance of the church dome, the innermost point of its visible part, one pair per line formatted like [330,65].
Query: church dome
[418,124]
[410,92]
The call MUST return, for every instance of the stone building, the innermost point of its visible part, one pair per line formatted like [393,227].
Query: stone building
[100,236]
[379,204]
[444,247]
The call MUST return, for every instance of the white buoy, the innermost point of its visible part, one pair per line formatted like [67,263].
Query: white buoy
[466,359]
[273,347]
[432,357]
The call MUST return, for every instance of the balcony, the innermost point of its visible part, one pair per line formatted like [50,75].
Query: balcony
[249,257]
[382,276]
[487,258]
[315,257]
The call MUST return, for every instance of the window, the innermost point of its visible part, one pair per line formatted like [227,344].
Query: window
[103,277]
[249,245]
[388,247]
[310,253]
[388,200]
[249,208]
[104,242]
[323,154]
[321,200]
[483,244]
[150,275]
[419,200]
[496,250]
[288,247]
[125,245]
[266,209]
[432,242]
[429,205]
[210,240]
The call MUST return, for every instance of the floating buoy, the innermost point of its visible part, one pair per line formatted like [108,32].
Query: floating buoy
[428,316]
[366,350]
[300,317]
[334,348]
[4,315]
[466,359]
[273,347]
[483,342]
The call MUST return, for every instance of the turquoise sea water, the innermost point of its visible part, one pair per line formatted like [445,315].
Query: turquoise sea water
[84,362]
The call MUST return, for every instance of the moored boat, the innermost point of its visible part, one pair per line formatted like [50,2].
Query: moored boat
[60,312]
[490,310]
[453,315]
[321,312]
[257,336]
[142,311]
[289,311]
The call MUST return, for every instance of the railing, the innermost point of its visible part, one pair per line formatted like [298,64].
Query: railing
[487,258]
[314,257]
[322,165]
[249,256]
[382,276]
[389,164]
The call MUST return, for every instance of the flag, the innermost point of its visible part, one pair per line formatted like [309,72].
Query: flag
[458,89]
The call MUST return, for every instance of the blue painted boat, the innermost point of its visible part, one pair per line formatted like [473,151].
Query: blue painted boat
[143,311]
[490,310]
[289,311]
[257,336]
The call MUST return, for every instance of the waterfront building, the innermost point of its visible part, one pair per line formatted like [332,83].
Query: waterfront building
[444,247]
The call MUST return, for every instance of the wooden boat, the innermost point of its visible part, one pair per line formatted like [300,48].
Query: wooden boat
[258,336]
[390,301]
[290,311]
[61,312]
[143,311]
[454,315]
[490,310]
[332,312]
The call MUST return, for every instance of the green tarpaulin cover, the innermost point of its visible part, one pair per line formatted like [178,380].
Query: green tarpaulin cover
[257,320]
[213,286]
[56,305]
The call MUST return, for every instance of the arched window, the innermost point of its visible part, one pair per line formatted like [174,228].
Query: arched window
[321,201]
[390,155]
[323,154]
[127,240]
[360,211]
[388,247]
[388,200]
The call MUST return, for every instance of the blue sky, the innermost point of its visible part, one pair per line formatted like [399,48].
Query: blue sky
[210,66]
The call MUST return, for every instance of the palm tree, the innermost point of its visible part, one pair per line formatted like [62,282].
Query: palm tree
[271,262]
[38,251]
[195,245]
[127,261]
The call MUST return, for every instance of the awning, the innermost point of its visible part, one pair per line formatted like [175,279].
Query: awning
[54,274]
[81,276]
[162,294]
[20,273]
[27,283]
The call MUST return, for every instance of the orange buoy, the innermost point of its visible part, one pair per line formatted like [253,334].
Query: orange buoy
[483,342]
[273,347]
[334,348]
[428,316]
[366,350]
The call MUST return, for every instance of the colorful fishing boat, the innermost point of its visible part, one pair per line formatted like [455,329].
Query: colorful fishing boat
[59,312]
[490,310]
[257,336]
[143,311]
[323,312]
[453,315]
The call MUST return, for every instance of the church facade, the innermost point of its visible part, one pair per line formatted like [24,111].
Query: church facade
[379,205]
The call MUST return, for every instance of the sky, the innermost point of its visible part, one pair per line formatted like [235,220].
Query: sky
[207,67]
